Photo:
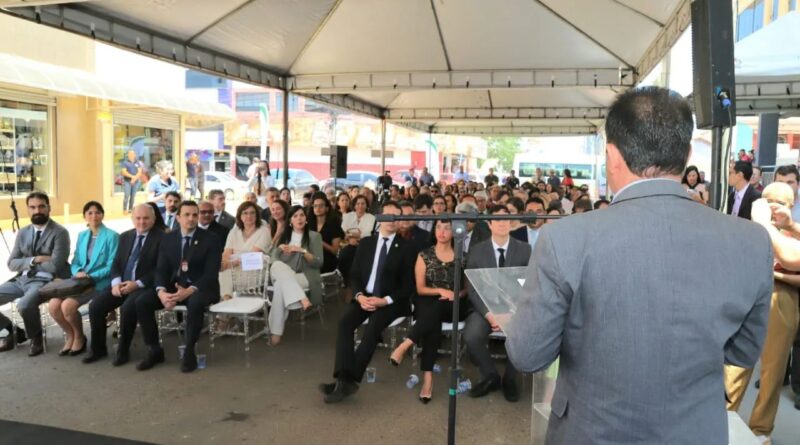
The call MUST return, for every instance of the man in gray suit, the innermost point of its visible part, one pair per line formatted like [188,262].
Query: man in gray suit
[643,302]
[40,254]
[501,250]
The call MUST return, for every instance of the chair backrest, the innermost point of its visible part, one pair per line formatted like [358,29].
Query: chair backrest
[251,283]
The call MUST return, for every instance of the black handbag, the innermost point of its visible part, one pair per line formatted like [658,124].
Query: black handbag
[66,288]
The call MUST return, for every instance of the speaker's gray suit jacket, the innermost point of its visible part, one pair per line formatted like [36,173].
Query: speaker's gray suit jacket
[643,302]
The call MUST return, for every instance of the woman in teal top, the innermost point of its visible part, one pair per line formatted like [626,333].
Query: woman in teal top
[94,255]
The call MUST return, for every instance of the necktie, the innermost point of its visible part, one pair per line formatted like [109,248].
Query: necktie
[186,240]
[216,218]
[377,289]
[133,258]
[169,221]
[36,238]
[501,262]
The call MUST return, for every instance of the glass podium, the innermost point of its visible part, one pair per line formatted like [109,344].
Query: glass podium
[500,290]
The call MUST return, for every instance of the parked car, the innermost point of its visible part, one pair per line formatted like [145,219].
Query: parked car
[359,178]
[234,189]
[299,179]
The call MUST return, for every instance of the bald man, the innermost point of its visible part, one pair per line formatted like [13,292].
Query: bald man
[781,327]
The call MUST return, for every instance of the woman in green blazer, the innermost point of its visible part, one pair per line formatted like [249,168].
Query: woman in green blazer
[296,260]
[94,255]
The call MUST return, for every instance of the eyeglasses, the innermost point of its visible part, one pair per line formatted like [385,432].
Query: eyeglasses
[319,206]
[206,212]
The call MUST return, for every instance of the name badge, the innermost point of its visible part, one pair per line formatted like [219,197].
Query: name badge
[184,266]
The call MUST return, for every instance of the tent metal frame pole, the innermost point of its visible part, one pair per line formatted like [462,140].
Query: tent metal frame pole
[286,138]
[383,145]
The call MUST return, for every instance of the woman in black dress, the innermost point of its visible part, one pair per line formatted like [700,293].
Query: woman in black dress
[321,219]
[433,305]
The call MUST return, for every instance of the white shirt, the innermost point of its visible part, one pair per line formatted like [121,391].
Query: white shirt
[374,273]
[366,224]
[737,200]
[467,239]
[567,205]
[796,209]
[497,252]
[533,235]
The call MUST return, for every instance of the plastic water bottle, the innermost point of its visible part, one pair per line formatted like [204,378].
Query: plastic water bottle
[464,386]
[412,381]
[181,351]
[437,369]
[371,375]
[201,361]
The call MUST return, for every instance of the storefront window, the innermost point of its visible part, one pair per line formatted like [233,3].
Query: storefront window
[25,149]
[150,145]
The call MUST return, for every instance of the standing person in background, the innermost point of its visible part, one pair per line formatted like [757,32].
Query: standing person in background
[162,183]
[201,180]
[491,179]
[755,180]
[553,180]
[695,188]
[461,175]
[260,183]
[512,181]
[132,173]
[570,292]
[410,177]
[425,178]
[252,168]
[741,198]
[567,182]
[192,167]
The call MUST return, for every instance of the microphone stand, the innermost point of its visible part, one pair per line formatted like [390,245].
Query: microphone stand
[459,225]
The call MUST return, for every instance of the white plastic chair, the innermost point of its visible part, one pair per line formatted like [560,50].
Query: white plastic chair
[250,299]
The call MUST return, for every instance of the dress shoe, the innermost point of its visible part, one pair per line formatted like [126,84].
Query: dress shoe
[797,402]
[326,388]
[7,343]
[121,358]
[94,356]
[37,346]
[15,336]
[63,352]
[189,362]
[154,357]
[510,389]
[758,384]
[342,390]
[485,386]
[74,352]
[20,335]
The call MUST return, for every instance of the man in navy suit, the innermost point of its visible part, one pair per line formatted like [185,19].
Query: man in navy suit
[170,211]
[187,274]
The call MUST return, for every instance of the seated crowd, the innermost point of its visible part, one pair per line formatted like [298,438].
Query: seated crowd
[183,253]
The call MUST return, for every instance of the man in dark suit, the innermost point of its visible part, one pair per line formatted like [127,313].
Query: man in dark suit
[477,231]
[170,212]
[187,273]
[409,230]
[529,233]
[132,276]
[217,198]
[206,222]
[740,199]
[501,250]
[382,281]
[40,255]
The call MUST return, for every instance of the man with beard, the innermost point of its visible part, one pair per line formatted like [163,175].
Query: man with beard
[40,254]
[170,213]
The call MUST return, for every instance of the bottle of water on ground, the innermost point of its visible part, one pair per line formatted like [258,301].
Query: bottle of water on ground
[412,381]
[464,385]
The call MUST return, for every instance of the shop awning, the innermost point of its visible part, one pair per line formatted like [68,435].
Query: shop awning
[59,80]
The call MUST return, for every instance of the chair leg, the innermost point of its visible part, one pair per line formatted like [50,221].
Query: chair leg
[246,322]
[211,332]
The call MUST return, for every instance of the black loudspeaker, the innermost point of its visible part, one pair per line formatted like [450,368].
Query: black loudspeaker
[338,161]
[712,56]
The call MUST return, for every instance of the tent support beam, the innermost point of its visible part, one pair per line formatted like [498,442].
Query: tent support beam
[428,114]
[670,33]
[518,130]
[218,20]
[583,33]
[639,13]
[441,36]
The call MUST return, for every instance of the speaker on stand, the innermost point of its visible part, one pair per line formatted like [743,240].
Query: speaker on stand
[714,84]
[338,162]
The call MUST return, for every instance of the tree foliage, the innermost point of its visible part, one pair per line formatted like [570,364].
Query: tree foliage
[503,149]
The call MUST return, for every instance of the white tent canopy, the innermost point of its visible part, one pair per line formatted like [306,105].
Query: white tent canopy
[450,66]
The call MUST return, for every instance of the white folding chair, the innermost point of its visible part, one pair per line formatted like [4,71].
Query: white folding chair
[250,303]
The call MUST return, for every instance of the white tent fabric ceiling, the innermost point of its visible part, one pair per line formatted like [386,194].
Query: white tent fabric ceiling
[450,58]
